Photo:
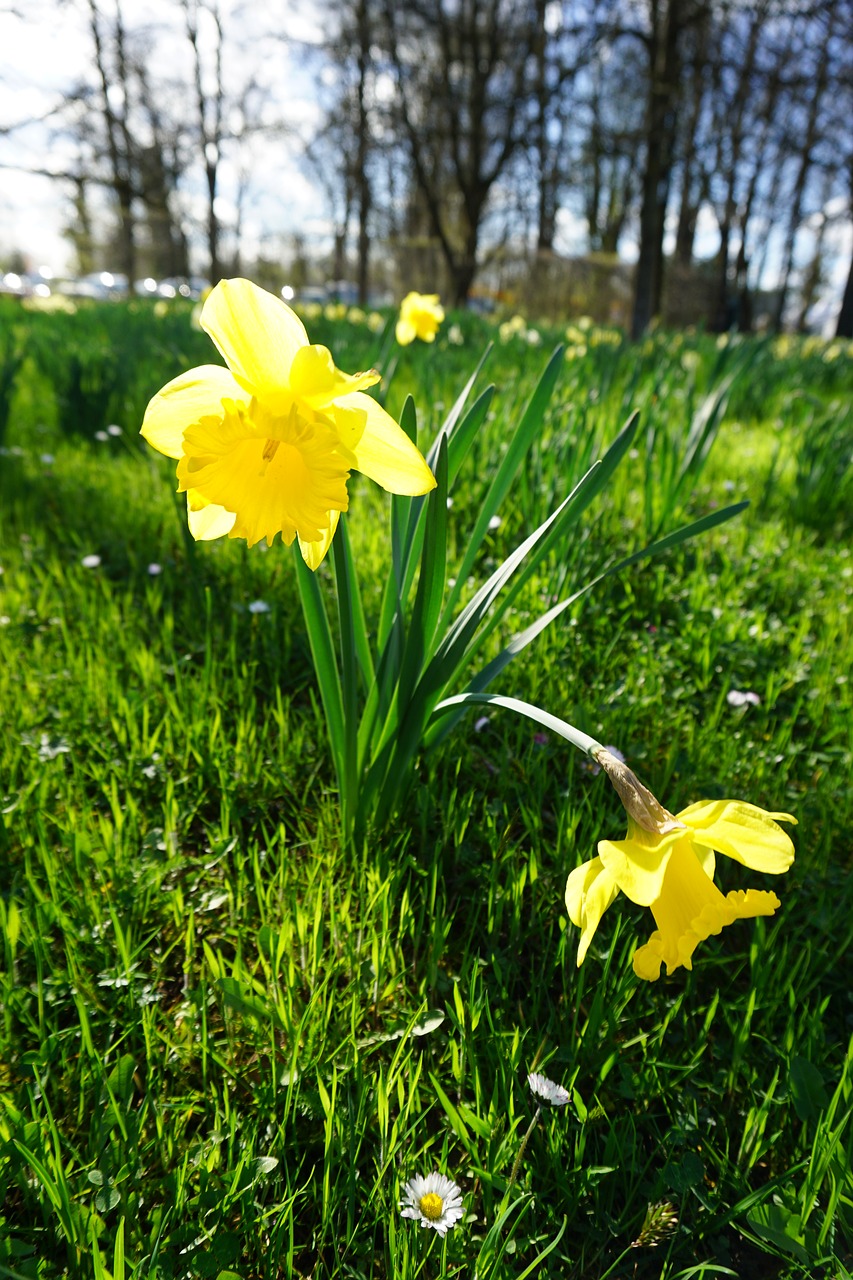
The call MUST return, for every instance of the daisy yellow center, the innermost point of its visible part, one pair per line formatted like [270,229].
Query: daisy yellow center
[279,473]
[431,1206]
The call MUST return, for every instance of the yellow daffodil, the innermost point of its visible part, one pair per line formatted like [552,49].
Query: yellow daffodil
[420,316]
[666,863]
[266,446]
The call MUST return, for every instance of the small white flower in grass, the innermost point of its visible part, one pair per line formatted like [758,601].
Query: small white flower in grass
[47,459]
[101,436]
[435,1201]
[259,606]
[742,697]
[90,562]
[495,522]
[114,429]
[154,569]
[545,1090]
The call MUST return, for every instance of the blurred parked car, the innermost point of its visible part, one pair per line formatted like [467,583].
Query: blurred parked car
[337,291]
[29,285]
[190,287]
[99,285]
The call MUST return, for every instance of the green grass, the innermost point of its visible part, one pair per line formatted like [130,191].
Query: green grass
[227,1043]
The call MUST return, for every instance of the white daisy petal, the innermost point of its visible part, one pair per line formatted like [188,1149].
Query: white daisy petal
[547,1090]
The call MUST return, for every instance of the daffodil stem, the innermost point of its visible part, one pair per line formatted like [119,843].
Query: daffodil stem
[588,745]
[385,342]
[349,678]
[516,1164]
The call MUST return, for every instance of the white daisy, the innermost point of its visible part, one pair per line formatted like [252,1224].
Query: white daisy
[547,1090]
[434,1200]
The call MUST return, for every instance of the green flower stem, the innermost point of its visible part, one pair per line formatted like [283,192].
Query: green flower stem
[589,746]
[516,1164]
[346,589]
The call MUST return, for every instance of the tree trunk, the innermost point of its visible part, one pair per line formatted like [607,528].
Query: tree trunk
[693,181]
[806,161]
[120,161]
[844,324]
[660,129]
[688,213]
[212,224]
[210,131]
[725,312]
[362,179]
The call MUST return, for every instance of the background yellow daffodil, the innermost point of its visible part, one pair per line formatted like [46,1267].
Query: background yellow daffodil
[266,445]
[420,317]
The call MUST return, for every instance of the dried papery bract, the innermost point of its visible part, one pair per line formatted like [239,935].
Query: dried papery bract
[640,804]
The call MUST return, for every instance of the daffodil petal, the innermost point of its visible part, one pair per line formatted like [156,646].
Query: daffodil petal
[183,401]
[349,423]
[314,553]
[638,863]
[405,332]
[590,889]
[257,334]
[385,453]
[207,521]
[741,831]
[315,380]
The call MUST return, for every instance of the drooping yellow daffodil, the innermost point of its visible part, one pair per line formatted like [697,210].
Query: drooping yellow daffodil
[667,862]
[420,316]
[266,446]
